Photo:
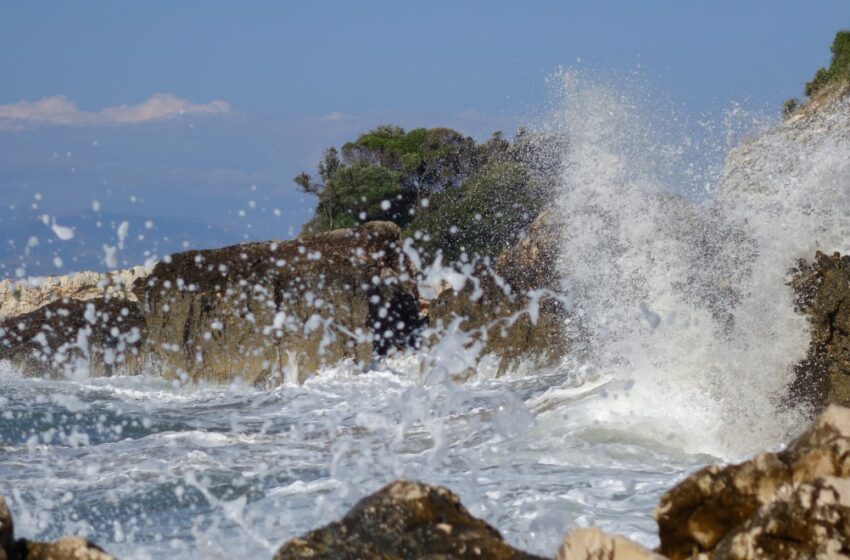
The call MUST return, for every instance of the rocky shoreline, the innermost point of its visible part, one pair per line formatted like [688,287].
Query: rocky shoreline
[274,312]
[793,504]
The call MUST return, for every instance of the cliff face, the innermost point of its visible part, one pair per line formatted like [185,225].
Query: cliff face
[274,310]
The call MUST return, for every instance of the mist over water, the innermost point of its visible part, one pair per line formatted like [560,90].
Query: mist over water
[689,338]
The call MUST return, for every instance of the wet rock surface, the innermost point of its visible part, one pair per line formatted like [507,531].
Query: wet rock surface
[69,548]
[516,308]
[268,311]
[97,337]
[404,520]
[823,294]
[593,544]
[790,504]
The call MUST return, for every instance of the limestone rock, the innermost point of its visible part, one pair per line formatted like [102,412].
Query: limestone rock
[19,297]
[265,311]
[99,336]
[593,544]
[404,520]
[716,502]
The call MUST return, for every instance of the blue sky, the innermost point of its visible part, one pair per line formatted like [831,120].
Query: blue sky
[249,93]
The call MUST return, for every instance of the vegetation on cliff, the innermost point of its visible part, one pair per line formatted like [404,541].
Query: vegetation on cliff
[445,190]
[831,81]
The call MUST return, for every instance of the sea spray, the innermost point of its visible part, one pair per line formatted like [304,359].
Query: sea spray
[690,334]
[687,304]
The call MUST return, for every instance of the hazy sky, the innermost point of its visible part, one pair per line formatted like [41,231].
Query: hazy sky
[196,109]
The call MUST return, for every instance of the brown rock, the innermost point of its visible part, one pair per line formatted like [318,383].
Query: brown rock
[532,262]
[593,544]
[811,520]
[404,520]
[69,548]
[716,502]
[823,293]
[101,335]
[260,311]
[7,530]
[517,308]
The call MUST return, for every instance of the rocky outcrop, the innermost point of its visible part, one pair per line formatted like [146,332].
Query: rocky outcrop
[20,297]
[593,544]
[823,294]
[516,309]
[96,337]
[792,504]
[811,520]
[69,548]
[404,520]
[273,310]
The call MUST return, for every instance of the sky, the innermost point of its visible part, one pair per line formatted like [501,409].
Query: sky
[189,119]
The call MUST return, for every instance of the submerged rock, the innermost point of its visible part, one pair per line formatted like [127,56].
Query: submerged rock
[823,294]
[593,544]
[69,548]
[777,505]
[273,310]
[96,337]
[516,309]
[404,520]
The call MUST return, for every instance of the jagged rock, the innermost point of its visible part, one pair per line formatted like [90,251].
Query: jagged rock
[20,297]
[516,308]
[711,506]
[69,548]
[823,294]
[98,336]
[811,520]
[404,520]
[531,263]
[265,311]
[593,544]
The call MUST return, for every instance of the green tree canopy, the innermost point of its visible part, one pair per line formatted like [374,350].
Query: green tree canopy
[447,192]
[838,73]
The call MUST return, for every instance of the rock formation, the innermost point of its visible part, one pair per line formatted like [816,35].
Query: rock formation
[515,308]
[97,336]
[823,294]
[404,520]
[19,297]
[792,504]
[69,548]
[265,311]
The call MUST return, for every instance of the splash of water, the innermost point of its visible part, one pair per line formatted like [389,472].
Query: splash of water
[687,304]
